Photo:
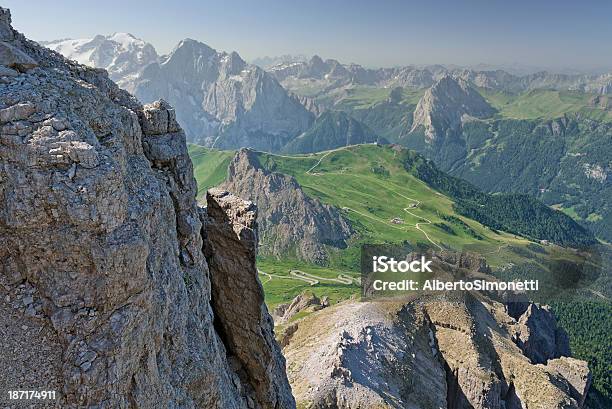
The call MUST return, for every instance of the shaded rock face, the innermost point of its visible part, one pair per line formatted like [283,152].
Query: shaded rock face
[222,101]
[445,105]
[539,336]
[102,246]
[230,236]
[290,222]
[331,130]
[456,351]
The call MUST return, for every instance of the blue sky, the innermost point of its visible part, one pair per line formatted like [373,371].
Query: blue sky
[374,33]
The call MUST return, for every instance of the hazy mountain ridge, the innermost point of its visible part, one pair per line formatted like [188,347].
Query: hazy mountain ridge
[563,161]
[220,99]
[329,74]
[121,54]
[331,130]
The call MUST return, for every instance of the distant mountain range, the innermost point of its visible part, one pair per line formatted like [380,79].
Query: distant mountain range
[220,100]
[121,54]
[545,134]
[317,76]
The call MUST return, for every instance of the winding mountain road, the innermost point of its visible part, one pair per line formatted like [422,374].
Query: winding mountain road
[415,201]
[311,279]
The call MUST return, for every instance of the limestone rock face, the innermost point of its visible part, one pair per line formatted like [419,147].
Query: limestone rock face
[305,301]
[102,261]
[576,373]
[442,108]
[365,355]
[221,100]
[446,353]
[289,220]
[538,335]
[230,236]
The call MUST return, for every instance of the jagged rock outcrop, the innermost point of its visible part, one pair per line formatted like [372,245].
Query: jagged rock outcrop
[102,267]
[485,369]
[361,355]
[576,373]
[221,100]
[454,350]
[302,302]
[291,223]
[539,336]
[442,108]
[230,246]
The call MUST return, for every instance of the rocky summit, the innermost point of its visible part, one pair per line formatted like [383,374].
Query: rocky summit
[290,221]
[109,292]
[445,105]
[221,100]
[456,351]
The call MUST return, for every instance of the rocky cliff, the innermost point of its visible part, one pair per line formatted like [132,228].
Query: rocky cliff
[222,101]
[454,351]
[445,105]
[106,294]
[290,222]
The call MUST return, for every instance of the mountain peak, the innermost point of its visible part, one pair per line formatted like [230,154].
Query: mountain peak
[315,59]
[121,54]
[194,46]
[445,104]
[6,31]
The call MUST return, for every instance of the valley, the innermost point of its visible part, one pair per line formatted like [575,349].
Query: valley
[385,203]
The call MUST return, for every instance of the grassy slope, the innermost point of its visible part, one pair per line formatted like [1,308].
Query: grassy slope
[370,199]
[346,178]
[362,97]
[545,104]
[372,188]
[209,166]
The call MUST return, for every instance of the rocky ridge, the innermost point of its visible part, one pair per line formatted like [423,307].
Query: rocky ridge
[103,262]
[440,351]
[291,223]
[444,106]
[221,100]
[331,74]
